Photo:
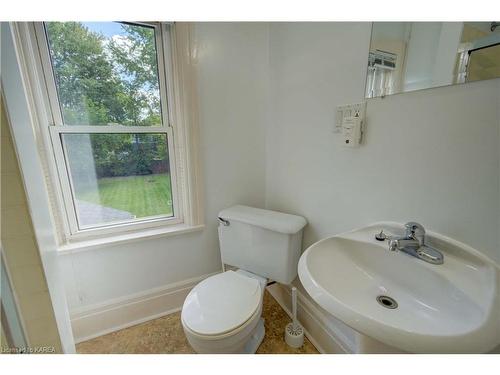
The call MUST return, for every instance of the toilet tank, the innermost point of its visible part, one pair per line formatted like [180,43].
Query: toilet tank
[267,243]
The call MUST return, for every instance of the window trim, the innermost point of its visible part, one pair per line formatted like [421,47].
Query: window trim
[65,180]
[58,128]
[179,81]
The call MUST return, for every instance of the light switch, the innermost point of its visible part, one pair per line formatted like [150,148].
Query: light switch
[339,117]
[350,122]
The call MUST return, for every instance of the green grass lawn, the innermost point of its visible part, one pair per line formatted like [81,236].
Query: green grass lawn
[142,196]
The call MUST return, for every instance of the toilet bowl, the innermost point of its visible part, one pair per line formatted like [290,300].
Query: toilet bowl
[222,314]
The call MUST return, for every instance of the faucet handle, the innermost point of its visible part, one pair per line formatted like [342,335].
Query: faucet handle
[415,230]
[393,244]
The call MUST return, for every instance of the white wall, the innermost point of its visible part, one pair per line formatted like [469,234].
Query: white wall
[498,116]
[23,137]
[421,55]
[431,156]
[267,104]
[432,54]
[233,64]
[446,54]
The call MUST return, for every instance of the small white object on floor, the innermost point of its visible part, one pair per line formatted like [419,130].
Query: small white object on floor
[294,333]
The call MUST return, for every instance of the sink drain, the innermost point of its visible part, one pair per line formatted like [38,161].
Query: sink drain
[387,302]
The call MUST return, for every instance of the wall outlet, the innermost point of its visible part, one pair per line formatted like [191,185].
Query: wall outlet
[351,131]
[357,110]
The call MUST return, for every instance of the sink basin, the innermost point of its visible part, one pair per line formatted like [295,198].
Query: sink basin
[449,308]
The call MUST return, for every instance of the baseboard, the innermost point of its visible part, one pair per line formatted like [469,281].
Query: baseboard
[97,320]
[315,330]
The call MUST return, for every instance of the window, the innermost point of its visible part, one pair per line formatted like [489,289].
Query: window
[109,89]
[118,176]
[483,63]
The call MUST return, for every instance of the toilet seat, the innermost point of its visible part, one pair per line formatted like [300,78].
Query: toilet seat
[221,304]
[249,324]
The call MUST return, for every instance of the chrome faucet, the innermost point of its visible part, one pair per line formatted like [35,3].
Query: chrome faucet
[413,243]
[413,238]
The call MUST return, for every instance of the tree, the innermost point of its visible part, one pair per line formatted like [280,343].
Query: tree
[109,81]
[89,91]
[135,57]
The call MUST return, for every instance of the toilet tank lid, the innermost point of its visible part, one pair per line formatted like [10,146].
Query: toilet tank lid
[271,220]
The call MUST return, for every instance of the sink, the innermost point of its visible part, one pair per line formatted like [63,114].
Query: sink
[401,300]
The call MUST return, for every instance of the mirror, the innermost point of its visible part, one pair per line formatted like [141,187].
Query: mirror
[408,56]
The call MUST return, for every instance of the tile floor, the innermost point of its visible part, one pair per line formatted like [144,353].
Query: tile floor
[165,335]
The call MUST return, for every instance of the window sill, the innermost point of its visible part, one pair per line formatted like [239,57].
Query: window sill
[77,246]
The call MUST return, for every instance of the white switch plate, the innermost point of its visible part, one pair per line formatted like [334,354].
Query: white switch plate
[351,131]
[348,110]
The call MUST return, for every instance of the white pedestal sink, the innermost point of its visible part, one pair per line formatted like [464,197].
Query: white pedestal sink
[449,308]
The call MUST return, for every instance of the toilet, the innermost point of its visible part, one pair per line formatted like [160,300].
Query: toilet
[222,314]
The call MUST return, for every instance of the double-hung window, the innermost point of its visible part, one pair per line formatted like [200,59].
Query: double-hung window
[109,92]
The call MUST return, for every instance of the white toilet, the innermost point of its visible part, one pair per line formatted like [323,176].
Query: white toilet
[222,314]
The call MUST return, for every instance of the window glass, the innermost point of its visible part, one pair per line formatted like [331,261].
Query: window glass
[484,63]
[118,177]
[106,73]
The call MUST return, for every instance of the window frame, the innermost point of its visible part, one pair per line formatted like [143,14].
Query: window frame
[174,112]
[66,182]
